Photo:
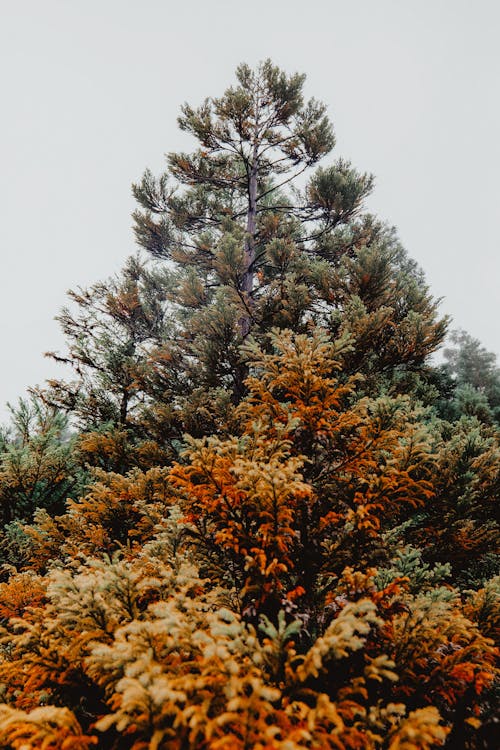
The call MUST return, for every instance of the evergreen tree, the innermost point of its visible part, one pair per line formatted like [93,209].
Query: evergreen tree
[111,329]
[313,564]
[108,334]
[254,247]
[249,245]
[475,376]
[38,464]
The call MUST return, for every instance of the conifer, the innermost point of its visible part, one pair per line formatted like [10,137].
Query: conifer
[286,534]
[254,245]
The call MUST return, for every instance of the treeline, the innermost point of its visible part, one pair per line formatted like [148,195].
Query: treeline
[258,514]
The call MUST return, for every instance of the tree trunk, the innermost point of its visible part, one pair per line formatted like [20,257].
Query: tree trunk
[245,321]
[124,408]
[249,256]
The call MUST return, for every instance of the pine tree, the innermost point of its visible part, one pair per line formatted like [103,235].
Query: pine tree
[244,243]
[111,329]
[254,246]
[108,330]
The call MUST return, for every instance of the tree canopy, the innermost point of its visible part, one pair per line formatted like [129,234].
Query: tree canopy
[257,514]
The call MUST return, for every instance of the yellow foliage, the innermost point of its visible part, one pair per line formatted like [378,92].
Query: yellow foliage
[439,653]
[483,607]
[242,496]
[19,592]
[117,512]
[345,634]
[45,728]
[420,731]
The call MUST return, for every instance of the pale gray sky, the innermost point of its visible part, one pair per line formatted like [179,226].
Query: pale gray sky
[90,94]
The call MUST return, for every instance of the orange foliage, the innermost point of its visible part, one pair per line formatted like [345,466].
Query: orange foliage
[271,642]
[118,512]
[312,471]
[21,591]
[242,497]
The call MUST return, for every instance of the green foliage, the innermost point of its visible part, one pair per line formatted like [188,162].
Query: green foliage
[252,252]
[408,564]
[108,333]
[38,465]
[476,377]
[461,526]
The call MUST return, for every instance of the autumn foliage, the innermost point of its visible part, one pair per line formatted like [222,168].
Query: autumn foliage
[271,538]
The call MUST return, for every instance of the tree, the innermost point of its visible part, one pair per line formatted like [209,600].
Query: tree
[475,375]
[249,245]
[38,464]
[108,338]
[254,247]
[469,362]
[110,329]
[313,565]
[310,483]
[254,140]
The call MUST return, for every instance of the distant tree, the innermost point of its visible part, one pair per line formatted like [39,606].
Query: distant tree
[475,375]
[469,362]
[38,465]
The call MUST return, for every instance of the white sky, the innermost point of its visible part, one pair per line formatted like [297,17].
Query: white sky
[91,90]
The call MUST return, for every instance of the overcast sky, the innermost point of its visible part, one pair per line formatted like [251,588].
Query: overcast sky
[90,94]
